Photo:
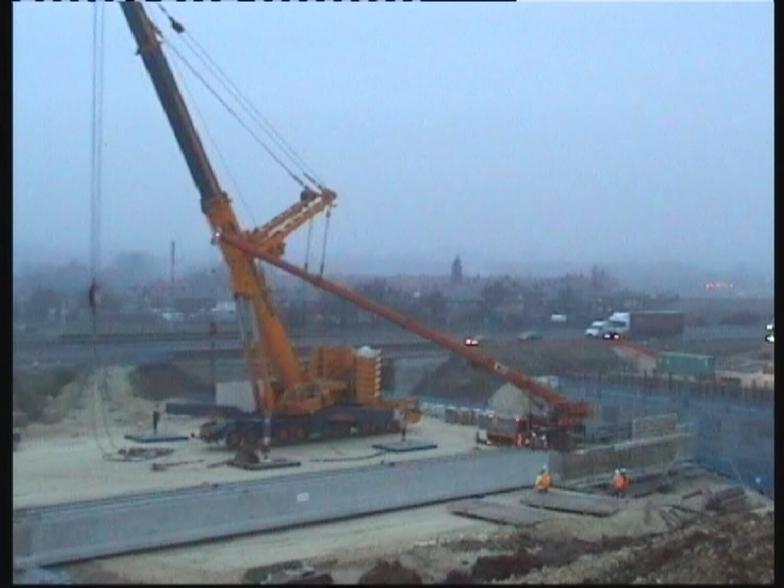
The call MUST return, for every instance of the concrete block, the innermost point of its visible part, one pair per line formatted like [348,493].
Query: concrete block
[236,394]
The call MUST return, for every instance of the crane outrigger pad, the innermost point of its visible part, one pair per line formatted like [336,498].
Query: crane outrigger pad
[152,438]
[503,514]
[269,464]
[576,502]
[404,446]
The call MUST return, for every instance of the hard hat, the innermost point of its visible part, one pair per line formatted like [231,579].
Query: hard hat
[617,472]
[623,470]
[544,468]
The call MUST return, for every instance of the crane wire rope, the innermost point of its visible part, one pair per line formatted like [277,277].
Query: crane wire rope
[99,386]
[236,116]
[213,142]
[220,75]
[203,56]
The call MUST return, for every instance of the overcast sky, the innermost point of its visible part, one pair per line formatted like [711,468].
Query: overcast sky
[507,133]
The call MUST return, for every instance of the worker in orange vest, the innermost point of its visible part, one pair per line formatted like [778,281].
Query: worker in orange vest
[543,480]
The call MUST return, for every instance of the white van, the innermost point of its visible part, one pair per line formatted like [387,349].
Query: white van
[596,329]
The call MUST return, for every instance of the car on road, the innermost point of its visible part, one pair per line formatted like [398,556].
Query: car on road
[529,336]
[471,342]
[610,336]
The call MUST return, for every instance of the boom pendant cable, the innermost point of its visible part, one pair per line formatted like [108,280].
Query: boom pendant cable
[212,140]
[231,111]
[247,105]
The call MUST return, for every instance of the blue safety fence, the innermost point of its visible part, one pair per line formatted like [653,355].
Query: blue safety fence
[734,436]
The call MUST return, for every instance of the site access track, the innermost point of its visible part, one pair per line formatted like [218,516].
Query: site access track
[567,413]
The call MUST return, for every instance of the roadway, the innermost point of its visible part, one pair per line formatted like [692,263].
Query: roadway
[77,350]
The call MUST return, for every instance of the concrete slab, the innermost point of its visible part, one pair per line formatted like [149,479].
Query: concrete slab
[404,446]
[151,438]
[495,512]
[577,502]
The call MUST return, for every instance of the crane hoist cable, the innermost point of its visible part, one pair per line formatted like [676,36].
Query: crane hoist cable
[100,396]
[96,167]
[324,244]
[266,126]
[307,245]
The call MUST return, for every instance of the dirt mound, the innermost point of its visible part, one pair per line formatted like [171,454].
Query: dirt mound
[163,380]
[457,378]
[390,573]
[735,549]
[500,567]
[34,392]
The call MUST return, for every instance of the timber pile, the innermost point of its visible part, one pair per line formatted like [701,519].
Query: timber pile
[728,500]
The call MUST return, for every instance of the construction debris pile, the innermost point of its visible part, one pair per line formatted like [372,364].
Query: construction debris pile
[723,549]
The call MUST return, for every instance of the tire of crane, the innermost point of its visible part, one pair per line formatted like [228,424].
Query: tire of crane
[233,440]
[249,438]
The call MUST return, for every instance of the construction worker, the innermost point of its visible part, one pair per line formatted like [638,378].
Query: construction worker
[544,441]
[620,482]
[156,416]
[543,480]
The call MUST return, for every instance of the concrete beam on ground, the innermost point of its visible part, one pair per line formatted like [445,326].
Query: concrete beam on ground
[85,530]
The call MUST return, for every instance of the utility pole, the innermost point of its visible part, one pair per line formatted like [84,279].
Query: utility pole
[171,276]
[213,332]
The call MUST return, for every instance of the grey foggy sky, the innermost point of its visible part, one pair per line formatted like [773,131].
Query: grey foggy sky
[506,133]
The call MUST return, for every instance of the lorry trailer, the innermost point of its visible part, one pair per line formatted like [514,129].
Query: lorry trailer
[647,323]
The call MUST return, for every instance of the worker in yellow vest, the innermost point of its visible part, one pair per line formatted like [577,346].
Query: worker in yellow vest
[543,480]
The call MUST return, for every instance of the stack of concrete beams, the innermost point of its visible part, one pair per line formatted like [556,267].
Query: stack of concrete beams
[639,456]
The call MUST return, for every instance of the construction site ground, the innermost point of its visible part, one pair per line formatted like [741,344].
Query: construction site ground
[62,461]
[636,545]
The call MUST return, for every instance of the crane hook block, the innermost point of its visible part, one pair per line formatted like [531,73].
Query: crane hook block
[94,295]
[177,26]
